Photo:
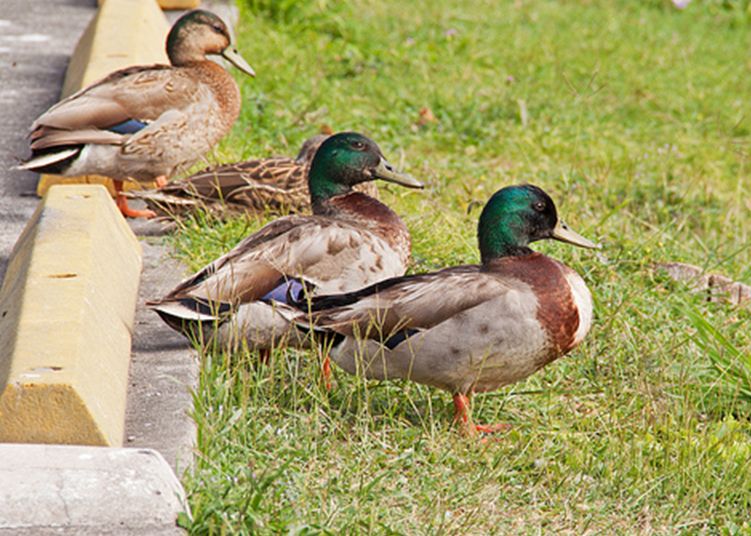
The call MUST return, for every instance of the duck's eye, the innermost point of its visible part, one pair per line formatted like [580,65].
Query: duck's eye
[218,28]
[539,206]
[358,145]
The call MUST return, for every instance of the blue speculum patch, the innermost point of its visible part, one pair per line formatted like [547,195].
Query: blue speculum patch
[289,291]
[131,126]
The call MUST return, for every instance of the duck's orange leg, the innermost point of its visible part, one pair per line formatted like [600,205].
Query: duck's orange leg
[326,371]
[463,418]
[161,181]
[122,203]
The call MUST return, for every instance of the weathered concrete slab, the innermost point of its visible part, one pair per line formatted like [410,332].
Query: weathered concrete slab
[163,369]
[36,39]
[47,489]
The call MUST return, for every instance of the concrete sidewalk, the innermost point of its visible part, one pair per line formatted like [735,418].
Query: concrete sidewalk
[51,489]
[36,39]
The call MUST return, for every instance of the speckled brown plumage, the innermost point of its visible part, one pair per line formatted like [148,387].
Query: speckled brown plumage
[145,122]
[276,184]
[379,219]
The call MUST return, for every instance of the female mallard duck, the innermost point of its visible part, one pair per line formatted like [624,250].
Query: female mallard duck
[350,241]
[145,123]
[278,183]
[471,328]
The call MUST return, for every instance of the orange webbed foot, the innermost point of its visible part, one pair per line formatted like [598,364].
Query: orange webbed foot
[122,203]
[463,418]
[493,428]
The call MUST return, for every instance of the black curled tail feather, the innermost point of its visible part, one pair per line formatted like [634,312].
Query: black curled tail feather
[331,301]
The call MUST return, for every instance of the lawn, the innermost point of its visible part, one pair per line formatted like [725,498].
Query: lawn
[634,116]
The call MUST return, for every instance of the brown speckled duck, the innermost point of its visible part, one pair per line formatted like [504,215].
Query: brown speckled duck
[278,184]
[350,241]
[145,123]
[471,328]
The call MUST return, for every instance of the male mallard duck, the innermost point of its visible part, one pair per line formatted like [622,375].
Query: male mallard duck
[467,329]
[350,241]
[277,183]
[145,123]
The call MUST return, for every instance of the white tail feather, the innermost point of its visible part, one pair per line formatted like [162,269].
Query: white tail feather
[179,311]
[47,159]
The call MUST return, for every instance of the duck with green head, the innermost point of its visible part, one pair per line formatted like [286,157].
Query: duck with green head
[466,329]
[350,241]
[145,123]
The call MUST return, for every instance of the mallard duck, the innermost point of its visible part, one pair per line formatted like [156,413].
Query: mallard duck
[278,184]
[350,241]
[466,329]
[145,123]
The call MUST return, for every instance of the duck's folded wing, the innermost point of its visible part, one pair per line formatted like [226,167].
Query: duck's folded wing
[122,102]
[402,304]
[310,250]
[46,137]
[242,274]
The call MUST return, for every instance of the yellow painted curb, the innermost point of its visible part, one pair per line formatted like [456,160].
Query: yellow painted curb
[172,4]
[179,4]
[121,34]
[66,316]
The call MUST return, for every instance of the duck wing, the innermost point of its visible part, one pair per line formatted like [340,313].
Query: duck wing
[321,253]
[113,108]
[410,303]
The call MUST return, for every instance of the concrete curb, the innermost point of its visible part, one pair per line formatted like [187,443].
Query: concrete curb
[66,317]
[179,4]
[48,489]
[172,4]
[121,34]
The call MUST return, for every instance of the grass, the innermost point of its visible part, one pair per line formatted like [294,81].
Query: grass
[635,117]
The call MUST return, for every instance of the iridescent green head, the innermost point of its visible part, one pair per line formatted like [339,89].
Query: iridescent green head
[346,159]
[516,216]
[198,33]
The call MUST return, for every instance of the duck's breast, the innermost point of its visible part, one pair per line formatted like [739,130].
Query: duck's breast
[176,140]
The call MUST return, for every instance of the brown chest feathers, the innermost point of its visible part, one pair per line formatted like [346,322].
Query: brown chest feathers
[556,312]
[222,85]
[364,211]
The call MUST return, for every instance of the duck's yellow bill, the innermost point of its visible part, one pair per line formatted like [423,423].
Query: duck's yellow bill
[234,57]
[386,172]
[564,234]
